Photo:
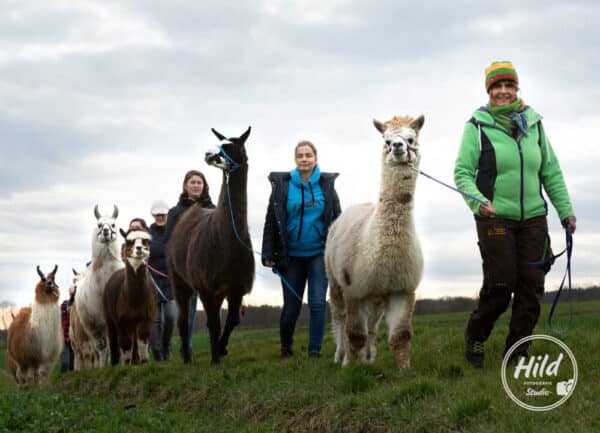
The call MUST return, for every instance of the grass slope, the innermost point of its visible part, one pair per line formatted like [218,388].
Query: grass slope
[253,390]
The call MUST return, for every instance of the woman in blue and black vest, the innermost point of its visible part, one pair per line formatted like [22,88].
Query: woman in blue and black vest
[302,206]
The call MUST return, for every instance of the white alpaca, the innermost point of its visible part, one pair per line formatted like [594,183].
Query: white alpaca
[373,258]
[35,337]
[106,259]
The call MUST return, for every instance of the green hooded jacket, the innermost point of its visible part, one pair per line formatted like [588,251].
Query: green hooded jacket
[493,166]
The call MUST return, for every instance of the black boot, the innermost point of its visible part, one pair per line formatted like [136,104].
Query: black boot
[474,353]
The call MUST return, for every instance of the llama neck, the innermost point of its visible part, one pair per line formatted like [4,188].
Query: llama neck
[106,251]
[238,181]
[396,199]
[44,316]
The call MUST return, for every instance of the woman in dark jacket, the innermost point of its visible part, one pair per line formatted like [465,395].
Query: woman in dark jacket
[166,315]
[195,191]
[302,206]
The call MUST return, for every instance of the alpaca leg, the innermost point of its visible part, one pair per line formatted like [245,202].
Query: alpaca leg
[338,317]
[143,342]
[398,316]
[375,308]
[233,319]
[113,342]
[213,321]
[356,332]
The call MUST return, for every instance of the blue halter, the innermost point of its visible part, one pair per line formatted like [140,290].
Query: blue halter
[233,164]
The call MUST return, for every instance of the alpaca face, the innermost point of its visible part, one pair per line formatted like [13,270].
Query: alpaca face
[230,153]
[400,135]
[106,231]
[137,247]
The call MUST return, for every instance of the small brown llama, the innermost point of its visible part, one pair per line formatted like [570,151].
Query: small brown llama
[35,337]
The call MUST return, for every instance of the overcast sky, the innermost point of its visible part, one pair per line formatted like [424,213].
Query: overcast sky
[111,102]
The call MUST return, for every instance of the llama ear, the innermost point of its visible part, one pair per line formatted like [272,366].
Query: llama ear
[74,271]
[218,134]
[245,135]
[123,233]
[96,212]
[55,269]
[417,124]
[380,126]
[42,277]
[115,211]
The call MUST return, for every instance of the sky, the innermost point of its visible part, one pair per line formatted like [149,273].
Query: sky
[111,102]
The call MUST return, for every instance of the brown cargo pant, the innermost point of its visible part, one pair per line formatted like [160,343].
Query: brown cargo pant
[507,247]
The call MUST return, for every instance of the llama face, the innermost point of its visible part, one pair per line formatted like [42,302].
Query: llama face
[106,231]
[230,153]
[400,135]
[137,247]
[47,286]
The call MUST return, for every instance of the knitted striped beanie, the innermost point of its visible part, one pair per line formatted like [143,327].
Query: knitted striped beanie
[500,71]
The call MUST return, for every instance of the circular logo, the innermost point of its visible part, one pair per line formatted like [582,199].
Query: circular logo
[542,380]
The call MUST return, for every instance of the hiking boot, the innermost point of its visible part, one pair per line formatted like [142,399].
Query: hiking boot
[474,352]
[286,352]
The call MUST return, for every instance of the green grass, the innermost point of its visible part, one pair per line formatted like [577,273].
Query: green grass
[253,390]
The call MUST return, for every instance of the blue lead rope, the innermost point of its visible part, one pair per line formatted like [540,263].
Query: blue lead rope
[568,249]
[237,235]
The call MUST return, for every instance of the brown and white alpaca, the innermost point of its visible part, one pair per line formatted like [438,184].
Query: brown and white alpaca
[35,337]
[130,302]
[373,258]
[106,259]
[80,341]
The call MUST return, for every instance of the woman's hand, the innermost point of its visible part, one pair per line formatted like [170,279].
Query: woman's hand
[572,221]
[487,209]
[268,263]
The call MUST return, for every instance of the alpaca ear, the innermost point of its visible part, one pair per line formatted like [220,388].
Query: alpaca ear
[245,135]
[123,233]
[96,212]
[417,124]
[218,134]
[115,211]
[380,126]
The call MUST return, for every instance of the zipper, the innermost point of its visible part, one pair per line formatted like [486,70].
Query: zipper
[522,175]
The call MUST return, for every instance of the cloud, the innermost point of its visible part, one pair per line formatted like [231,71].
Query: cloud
[112,102]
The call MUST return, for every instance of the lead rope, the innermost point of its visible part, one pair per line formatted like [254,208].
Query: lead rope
[249,248]
[568,249]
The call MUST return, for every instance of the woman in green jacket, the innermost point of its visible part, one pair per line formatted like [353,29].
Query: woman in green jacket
[505,160]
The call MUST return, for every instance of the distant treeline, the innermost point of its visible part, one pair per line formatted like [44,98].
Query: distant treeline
[268,316]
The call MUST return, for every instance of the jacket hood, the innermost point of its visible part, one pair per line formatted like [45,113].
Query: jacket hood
[313,180]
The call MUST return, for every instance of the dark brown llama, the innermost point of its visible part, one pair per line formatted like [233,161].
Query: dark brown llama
[205,255]
[35,335]
[130,302]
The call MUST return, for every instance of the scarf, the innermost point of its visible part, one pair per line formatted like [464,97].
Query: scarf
[510,117]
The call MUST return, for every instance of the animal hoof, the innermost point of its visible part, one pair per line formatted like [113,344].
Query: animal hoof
[223,351]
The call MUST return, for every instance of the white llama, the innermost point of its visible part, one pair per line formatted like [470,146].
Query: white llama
[373,257]
[106,259]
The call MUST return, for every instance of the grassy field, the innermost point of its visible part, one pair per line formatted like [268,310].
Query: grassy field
[253,390]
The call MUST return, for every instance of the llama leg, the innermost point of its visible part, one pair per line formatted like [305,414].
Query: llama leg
[213,321]
[338,317]
[234,302]
[375,308]
[126,345]
[183,294]
[398,316]
[356,332]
